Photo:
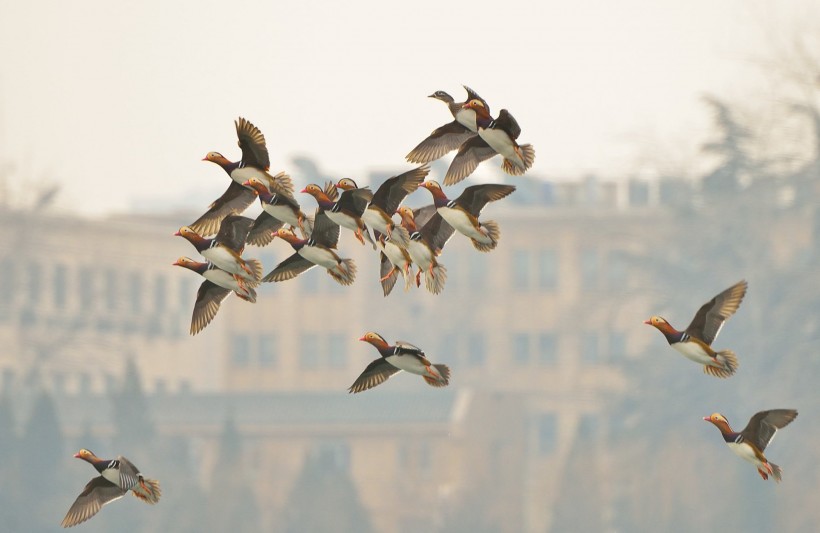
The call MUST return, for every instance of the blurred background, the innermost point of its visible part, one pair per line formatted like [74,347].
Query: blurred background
[678,151]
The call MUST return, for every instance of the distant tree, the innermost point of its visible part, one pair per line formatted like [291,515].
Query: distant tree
[732,149]
[133,427]
[323,479]
[231,500]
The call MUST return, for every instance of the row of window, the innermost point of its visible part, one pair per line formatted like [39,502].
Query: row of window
[90,288]
[318,351]
[539,269]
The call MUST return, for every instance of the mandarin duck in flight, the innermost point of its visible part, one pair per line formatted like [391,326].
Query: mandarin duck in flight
[462,213]
[117,477]
[347,210]
[255,162]
[277,209]
[453,134]
[695,342]
[495,136]
[225,250]
[750,443]
[386,200]
[217,286]
[317,250]
[401,356]
[426,243]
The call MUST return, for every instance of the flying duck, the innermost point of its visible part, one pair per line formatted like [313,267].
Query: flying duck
[426,243]
[347,210]
[495,136]
[226,248]
[401,356]
[750,443]
[317,250]
[117,477]
[695,342]
[453,134]
[462,213]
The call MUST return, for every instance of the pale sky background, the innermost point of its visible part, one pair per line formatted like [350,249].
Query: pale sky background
[120,101]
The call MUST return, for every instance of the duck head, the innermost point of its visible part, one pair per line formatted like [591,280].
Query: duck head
[480,109]
[191,236]
[443,96]
[661,324]
[216,157]
[408,220]
[375,339]
[317,192]
[287,235]
[434,188]
[719,421]
[190,264]
[346,184]
[86,455]
[257,186]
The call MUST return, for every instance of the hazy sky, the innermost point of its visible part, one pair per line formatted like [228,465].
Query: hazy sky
[120,101]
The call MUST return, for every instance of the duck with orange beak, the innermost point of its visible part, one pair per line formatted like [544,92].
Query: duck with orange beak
[394,358]
[695,342]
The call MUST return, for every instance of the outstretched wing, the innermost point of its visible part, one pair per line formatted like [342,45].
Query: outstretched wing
[440,142]
[376,373]
[325,231]
[96,493]
[261,233]
[710,317]
[289,268]
[208,298]
[391,193]
[252,143]
[471,153]
[235,199]
[763,425]
[437,232]
[475,197]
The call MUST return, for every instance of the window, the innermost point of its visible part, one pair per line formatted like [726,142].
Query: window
[476,349]
[135,292]
[111,289]
[588,427]
[85,286]
[521,269]
[240,350]
[616,270]
[548,270]
[617,345]
[589,268]
[60,286]
[521,348]
[546,433]
[267,350]
[8,281]
[309,351]
[35,282]
[336,350]
[160,293]
[589,348]
[547,349]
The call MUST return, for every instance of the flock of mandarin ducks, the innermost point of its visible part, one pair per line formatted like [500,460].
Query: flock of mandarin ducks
[416,238]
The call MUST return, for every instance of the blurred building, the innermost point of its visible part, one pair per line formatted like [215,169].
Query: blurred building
[533,333]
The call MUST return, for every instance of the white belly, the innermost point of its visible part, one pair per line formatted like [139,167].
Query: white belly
[466,117]
[694,352]
[281,212]
[223,279]
[112,475]
[241,175]
[745,452]
[224,260]
[394,254]
[374,220]
[343,220]
[319,256]
[408,363]
[420,254]
[462,224]
[501,143]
